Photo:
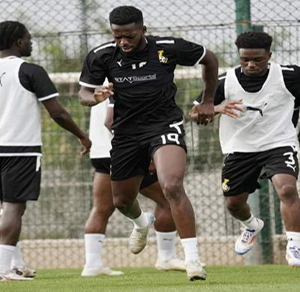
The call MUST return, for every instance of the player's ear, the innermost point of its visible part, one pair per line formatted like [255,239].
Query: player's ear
[144,29]
[19,42]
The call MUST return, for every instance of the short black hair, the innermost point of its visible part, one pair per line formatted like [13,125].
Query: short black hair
[125,15]
[10,32]
[254,40]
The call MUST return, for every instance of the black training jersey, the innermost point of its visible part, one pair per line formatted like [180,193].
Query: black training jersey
[22,87]
[144,91]
[291,76]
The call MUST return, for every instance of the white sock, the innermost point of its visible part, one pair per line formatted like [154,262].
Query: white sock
[293,238]
[141,221]
[93,249]
[6,255]
[190,247]
[251,223]
[165,245]
[17,260]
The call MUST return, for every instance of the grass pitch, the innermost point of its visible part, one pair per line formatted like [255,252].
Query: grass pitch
[266,278]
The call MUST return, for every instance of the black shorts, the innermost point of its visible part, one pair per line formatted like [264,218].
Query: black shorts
[102,165]
[241,171]
[131,155]
[20,178]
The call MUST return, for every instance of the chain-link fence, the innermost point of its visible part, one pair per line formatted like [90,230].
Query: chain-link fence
[63,33]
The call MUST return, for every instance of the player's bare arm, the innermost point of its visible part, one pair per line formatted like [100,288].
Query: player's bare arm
[205,109]
[63,118]
[92,96]
[231,108]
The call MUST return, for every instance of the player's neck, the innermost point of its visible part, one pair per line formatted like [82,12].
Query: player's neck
[8,53]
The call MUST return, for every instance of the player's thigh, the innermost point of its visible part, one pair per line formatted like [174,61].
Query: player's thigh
[154,192]
[102,193]
[170,162]
[285,186]
[169,154]
[125,191]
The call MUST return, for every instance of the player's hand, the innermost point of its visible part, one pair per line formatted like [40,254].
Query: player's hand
[231,108]
[203,113]
[103,92]
[86,143]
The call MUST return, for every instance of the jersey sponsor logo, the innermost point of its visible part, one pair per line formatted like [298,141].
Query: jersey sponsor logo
[120,63]
[161,57]
[131,79]
[225,186]
[1,78]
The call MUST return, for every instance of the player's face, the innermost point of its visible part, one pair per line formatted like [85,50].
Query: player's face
[25,45]
[254,62]
[130,37]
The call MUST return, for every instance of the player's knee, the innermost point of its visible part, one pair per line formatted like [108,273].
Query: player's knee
[122,203]
[233,206]
[16,210]
[288,193]
[105,210]
[5,229]
[172,190]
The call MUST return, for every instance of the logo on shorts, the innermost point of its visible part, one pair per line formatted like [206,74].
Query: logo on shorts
[225,186]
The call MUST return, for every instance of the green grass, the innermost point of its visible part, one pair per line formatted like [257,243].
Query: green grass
[265,278]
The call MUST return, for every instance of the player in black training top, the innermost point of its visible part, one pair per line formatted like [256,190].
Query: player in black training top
[148,124]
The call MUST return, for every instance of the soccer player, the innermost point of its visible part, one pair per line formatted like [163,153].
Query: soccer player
[22,87]
[103,206]
[148,124]
[262,95]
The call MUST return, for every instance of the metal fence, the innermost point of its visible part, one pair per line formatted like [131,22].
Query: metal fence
[63,32]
